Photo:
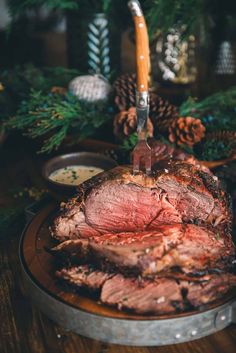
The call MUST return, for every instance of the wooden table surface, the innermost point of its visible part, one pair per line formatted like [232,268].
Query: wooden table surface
[23,328]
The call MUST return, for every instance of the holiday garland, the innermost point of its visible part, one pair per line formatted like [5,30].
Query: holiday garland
[36,102]
[206,129]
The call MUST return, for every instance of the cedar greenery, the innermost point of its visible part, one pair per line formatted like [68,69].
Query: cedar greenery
[194,15]
[53,117]
[129,143]
[217,112]
[217,145]
[215,150]
[27,104]
[164,14]
[18,82]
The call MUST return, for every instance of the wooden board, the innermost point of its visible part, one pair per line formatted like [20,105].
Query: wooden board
[68,308]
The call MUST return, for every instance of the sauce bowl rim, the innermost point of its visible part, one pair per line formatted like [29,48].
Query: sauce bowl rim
[46,166]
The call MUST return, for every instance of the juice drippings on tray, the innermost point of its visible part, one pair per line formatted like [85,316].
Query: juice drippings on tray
[74,174]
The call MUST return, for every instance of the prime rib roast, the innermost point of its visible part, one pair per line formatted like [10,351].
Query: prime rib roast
[191,248]
[159,295]
[150,244]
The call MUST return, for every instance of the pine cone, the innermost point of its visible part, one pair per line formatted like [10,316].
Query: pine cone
[161,112]
[186,131]
[125,123]
[124,88]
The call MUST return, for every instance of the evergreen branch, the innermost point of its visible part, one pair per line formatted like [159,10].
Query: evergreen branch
[216,150]
[164,14]
[129,143]
[55,141]
[220,101]
[218,111]
[54,115]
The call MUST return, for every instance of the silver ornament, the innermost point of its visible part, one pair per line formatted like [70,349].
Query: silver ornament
[90,88]
[225,63]
[175,58]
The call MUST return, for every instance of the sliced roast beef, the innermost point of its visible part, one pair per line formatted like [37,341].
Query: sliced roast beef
[160,295]
[188,247]
[84,276]
[162,152]
[118,201]
[151,244]
[163,295]
[72,225]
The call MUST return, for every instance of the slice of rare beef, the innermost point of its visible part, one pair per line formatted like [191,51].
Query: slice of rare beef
[186,247]
[118,201]
[84,276]
[160,295]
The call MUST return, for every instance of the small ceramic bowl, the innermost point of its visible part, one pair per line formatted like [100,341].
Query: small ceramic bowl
[62,191]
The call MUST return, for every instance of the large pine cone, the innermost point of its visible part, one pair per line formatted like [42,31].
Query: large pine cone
[125,123]
[124,88]
[161,112]
[186,131]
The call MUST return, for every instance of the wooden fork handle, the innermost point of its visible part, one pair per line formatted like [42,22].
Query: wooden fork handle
[142,46]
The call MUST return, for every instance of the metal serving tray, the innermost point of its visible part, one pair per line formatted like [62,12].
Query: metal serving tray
[89,318]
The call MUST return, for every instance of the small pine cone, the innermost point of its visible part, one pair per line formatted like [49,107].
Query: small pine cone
[125,88]
[125,123]
[186,131]
[162,113]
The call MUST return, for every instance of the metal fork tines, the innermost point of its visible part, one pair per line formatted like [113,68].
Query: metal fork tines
[142,156]
[142,151]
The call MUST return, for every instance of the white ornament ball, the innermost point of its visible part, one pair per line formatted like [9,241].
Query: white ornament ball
[90,88]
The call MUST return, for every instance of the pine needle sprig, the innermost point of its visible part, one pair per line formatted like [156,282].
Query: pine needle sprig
[53,117]
[130,142]
[20,80]
[218,111]
[216,150]
[159,16]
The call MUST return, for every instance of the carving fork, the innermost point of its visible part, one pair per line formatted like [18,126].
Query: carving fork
[142,150]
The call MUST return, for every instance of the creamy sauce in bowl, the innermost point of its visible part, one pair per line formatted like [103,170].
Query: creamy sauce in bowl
[74,174]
